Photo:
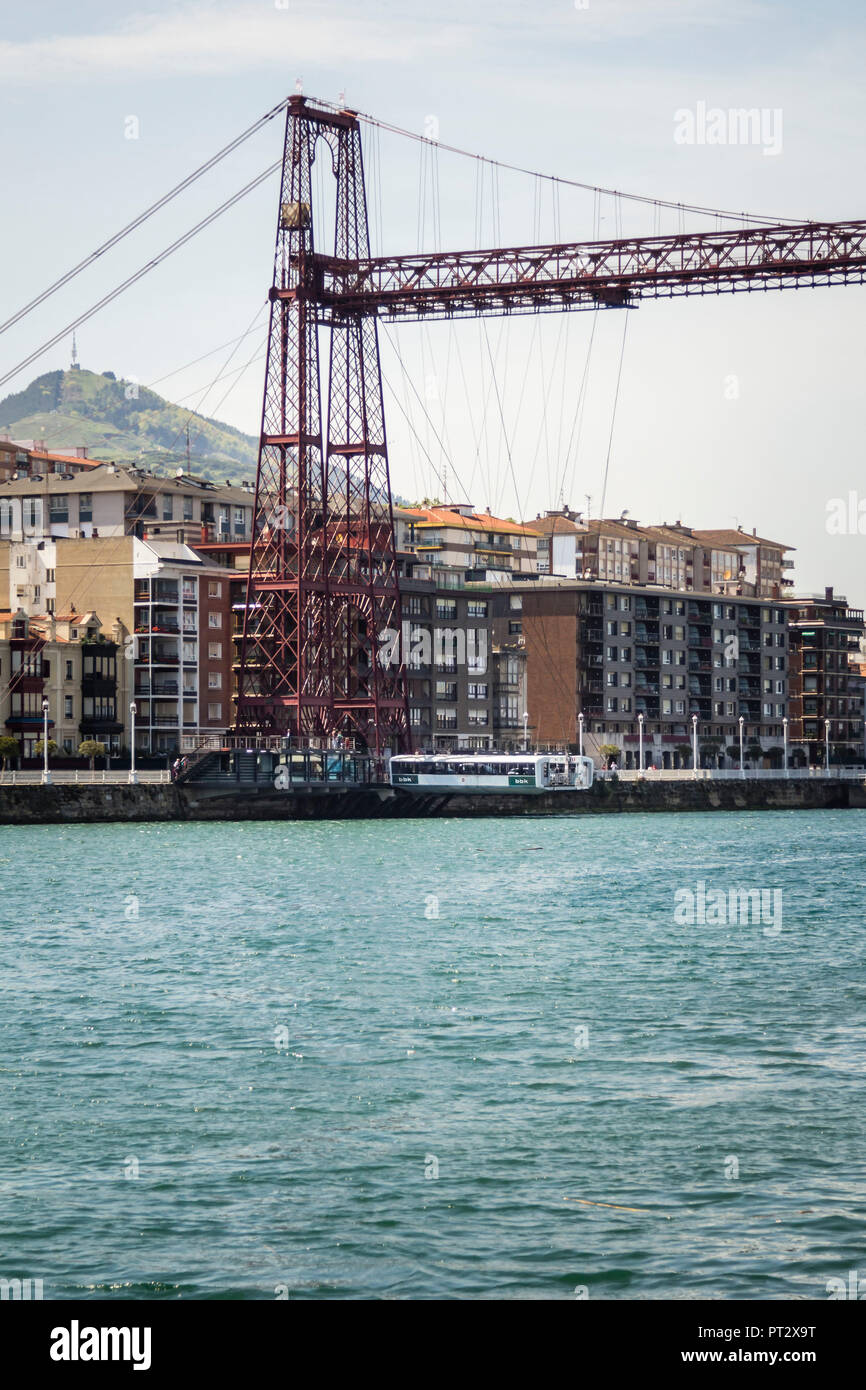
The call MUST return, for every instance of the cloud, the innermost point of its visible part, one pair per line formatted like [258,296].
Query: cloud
[208,37]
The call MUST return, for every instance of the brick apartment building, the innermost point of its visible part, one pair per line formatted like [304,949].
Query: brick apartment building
[826,680]
[614,652]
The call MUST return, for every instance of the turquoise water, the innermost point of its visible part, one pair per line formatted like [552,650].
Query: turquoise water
[453,1097]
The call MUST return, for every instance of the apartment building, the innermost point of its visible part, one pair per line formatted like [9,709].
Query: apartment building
[169,607]
[26,458]
[70,661]
[560,537]
[733,562]
[182,652]
[614,652]
[449,666]
[826,644]
[458,537]
[108,501]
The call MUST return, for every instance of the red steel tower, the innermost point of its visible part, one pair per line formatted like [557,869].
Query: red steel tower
[323,612]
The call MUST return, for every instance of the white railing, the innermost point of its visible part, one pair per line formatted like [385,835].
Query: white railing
[732,774]
[80,777]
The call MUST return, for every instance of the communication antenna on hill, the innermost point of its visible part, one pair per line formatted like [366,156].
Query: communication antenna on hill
[74,365]
[187,447]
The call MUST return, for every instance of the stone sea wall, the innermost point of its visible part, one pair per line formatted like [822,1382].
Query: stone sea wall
[53,805]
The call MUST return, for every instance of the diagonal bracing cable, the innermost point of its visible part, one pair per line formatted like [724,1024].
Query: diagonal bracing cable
[143,270]
[144,216]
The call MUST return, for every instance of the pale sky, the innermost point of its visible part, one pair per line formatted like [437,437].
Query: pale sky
[742,408]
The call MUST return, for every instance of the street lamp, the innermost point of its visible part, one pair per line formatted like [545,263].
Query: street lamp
[742,765]
[827,747]
[640,742]
[695,743]
[133,775]
[580,732]
[785,737]
[46,775]
[526,731]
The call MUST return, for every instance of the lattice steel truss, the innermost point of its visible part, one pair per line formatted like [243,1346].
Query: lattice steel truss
[323,611]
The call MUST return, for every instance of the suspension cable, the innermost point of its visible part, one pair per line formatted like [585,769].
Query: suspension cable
[143,270]
[144,216]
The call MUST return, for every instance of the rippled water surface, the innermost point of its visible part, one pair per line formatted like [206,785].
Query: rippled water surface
[248,1061]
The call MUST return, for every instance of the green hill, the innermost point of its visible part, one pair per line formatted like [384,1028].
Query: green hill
[125,423]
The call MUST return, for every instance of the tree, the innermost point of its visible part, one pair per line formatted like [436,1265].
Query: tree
[92,749]
[608,751]
[9,748]
[40,748]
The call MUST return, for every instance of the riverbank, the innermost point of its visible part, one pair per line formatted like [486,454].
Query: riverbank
[58,804]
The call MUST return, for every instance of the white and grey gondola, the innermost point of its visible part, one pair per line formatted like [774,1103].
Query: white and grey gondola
[524,773]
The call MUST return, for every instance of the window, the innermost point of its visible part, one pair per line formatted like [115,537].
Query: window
[214,680]
[478,716]
[215,620]
[85,506]
[625,604]
[69,670]
[240,521]
[612,653]
[612,678]
[167,506]
[214,711]
[446,608]
[477,692]
[49,576]
[215,589]
[67,706]
[625,705]
[611,629]
[58,507]
[612,704]
[476,609]
[667,706]
[215,651]
[187,509]
[625,629]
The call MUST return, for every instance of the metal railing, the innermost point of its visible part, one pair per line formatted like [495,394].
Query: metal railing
[80,777]
[733,774]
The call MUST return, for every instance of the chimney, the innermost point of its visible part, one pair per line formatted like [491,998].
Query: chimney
[754,530]
[828,593]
